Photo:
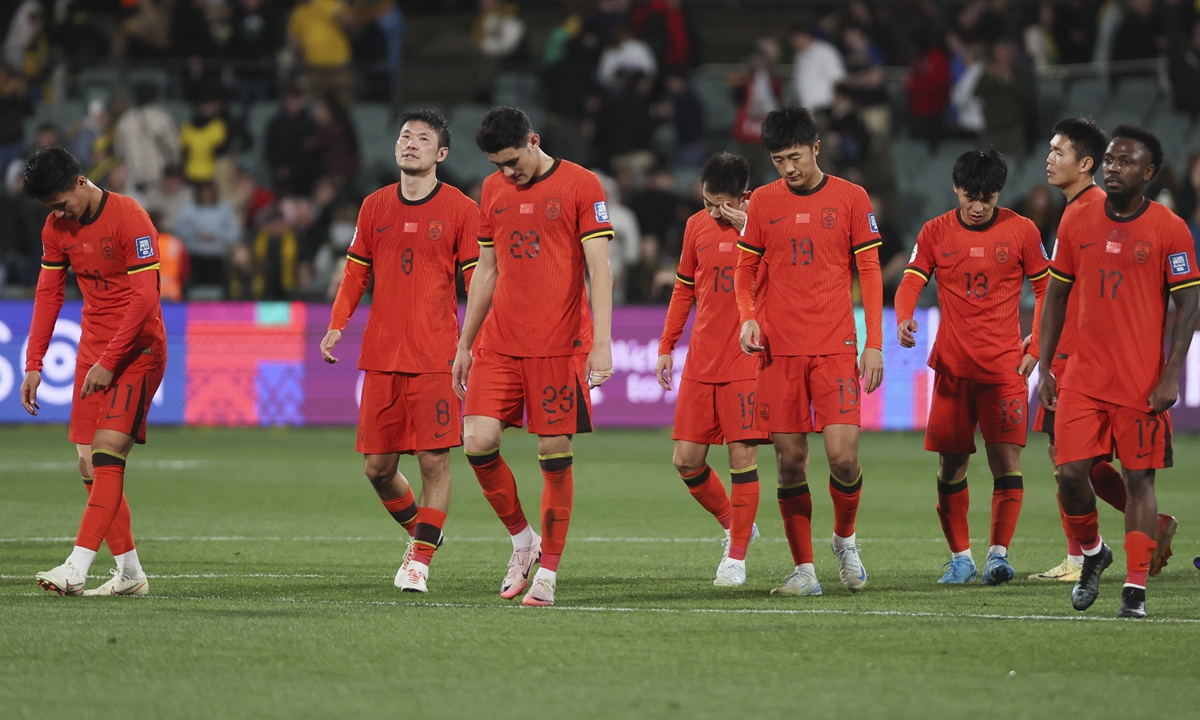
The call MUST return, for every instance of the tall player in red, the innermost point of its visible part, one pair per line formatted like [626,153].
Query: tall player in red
[981,255]
[1124,259]
[1076,148]
[715,403]
[110,243]
[414,236]
[543,223]
[811,230]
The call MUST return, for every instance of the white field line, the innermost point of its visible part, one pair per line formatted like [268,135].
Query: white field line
[499,539]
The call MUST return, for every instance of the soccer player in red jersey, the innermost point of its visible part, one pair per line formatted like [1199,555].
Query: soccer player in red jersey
[414,236]
[110,243]
[1076,148]
[981,255]
[543,222]
[1124,259]
[715,403]
[810,229]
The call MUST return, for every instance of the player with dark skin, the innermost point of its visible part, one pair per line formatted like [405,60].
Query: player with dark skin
[1127,167]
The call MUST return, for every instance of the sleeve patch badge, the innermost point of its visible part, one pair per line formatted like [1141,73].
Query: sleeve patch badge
[1054,252]
[601,210]
[1180,265]
[913,258]
[871,221]
[144,248]
[1043,249]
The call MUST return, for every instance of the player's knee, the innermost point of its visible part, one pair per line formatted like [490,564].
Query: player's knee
[1139,483]
[844,468]
[686,465]
[434,465]
[479,444]
[791,469]
[379,473]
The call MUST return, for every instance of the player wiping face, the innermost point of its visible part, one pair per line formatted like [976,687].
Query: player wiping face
[726,209]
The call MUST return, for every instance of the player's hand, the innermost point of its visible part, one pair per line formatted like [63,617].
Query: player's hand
[29,388]
[751,337]
[96,380]
[599,365]
[736,218]
[662,370]
[1028,363]
[460,371]
[906,333]
[1025,345]
[331,338]
[1048,391]
[870,369]
[1164,395]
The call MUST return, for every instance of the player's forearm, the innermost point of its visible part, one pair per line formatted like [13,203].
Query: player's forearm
[677,315]
[354,285]
[47,303]
[745,284]
[907,295]
[141,307]
[1054,311]
[870,282]
[479,299]
[601,285]
[1186,312]
[1039,295]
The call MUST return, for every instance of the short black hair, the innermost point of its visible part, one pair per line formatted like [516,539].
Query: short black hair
[1086,136]
[1147,139]
[788,127]
[49,172]
[980,173]
[502,128]
[433,119]
[725,174]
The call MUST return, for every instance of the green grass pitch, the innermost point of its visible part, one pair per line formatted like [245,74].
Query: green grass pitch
[271,566]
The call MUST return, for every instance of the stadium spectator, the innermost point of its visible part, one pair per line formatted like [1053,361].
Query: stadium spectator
[499,31]
[1139,35]
[664,26]
[625,54]
[928,86]
[316,30]
[625,127]
[607,17]
[893,254]
[1183,67]
[682,106]
[562,34]
[93,127]
[967,106]
[1187,198]
[1007,92]
[1075,30]
[174,265]
[817,67]
[757,92]
[14,108]
[202,138]
[256,35]
[1108,21]
[26,47]
[572,96]
[191,33]
[209,230]
[848,137]
[661,212]
[144,33]
[865,78]
[1039,38]
[21,221]
[1043,210]
[147,139]
[275,259]
[247,198]
[336,141]
[627,237]
[291,145]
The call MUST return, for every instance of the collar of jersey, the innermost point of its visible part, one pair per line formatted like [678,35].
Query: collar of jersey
[977,228]
[546,174]
[1140,211]
[1083,192]
[99,209]
[810,191]
[422,201]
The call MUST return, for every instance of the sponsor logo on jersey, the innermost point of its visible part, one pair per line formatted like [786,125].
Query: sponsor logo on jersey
[871,221]
[435,229]
[1001,252]
[1180,265]
[1141,252]
[553,208]
[601,210]
[143,247]
[828,218]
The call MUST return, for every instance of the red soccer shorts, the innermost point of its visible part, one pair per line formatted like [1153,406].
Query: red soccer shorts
[711,413]
[792,391]
[406,413]
[550,391]
[1043,420]
[959,404]
[123,405]
[1087,428]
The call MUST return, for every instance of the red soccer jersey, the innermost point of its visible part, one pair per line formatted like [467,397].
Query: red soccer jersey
[1093,195]
[539,307]
[706,267]
[414,249]
[115,258]
[979,271]
[808,240]
[1122,270]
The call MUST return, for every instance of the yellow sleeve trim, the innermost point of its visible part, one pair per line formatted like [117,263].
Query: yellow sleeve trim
[469,265]
[360,262]
[594,235]
[1057,276]
[53,267]
[751,249]
[1186,285]
[685,281]
[1039,276]
[144,269]
[868,246]
[916,272]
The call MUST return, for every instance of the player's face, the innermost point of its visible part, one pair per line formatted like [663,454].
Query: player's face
[70,204]
[417,148]
[976,211]
[798,164]
[518,164]
[1063,168]
[714,201]
[1127,167]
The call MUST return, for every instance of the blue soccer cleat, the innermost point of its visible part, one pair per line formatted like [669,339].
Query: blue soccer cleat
[996,570]
[959,571]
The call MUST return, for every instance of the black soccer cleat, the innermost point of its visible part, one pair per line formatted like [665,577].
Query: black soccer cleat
[1133,602]
[1087,589]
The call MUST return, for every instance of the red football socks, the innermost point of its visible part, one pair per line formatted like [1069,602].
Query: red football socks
[954,499]
[1138,549]
[1085,529]
[706,486]
[430,522]
[745,507]
[1074,549]
[845,504]
[1008,491]
[558,495]
[120,534]
[1108,484]
[500,488]
[104,499]
[404,510]
[795,505]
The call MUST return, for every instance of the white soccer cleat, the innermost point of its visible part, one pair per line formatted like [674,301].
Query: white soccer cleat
[121,584]
[400,574]
[541,593]
[416,574]
[519,566]
[66,579]
[854,575]
[800,582]
[754,535]
[731,573]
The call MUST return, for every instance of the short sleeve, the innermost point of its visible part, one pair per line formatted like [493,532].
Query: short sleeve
[360,250]
[1062,260]
[592,210]
[1033,253]
[686,272]
[864,230]
[751,240]
[1180,270]
[141,242]
[53,258]
[467,240]
[921,261]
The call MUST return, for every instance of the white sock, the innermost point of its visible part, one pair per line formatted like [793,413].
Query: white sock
[840,541]
[1077,559]
[82,558]
[807,567]
[550,576]
[965,553]
[128,564]
[1095,550]
[524,539]
[998,549]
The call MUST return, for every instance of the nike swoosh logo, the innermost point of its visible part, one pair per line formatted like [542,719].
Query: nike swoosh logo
[500,210]
[843,412]
[702,249]
[948,254]
[70,248]
[439,436]
[114,417]
[1082,246]
[381,229]
[553,421]
[1142,455]
[777,219]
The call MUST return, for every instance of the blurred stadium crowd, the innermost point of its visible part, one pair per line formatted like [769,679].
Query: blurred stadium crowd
[251,129]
